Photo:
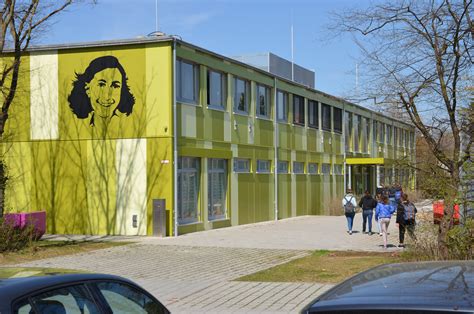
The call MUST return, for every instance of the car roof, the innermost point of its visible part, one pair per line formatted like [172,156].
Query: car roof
[422,285]
[17,282]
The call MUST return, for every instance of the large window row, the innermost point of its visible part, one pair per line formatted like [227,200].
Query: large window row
[305,112]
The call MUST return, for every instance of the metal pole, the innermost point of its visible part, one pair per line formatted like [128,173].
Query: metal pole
[275,140]
[175,145]
[156,16]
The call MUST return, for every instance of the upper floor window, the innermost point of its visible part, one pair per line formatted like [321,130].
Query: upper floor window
[313,121]
[216,89]
[326,117]
[263,166]
[188,81]
[241,165]
[381,132]
[282,166]
[389,134]
[298,167]
[337,120]
[241,95]
[312,168]
[282,106]
[298,109]
[395,136]
[263,101]
[348,130]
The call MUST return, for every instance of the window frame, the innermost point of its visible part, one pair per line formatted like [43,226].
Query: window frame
[313,164]
[299,123]
[285,98]
[294,168]
[189,172]
[268,101]
[223,87]
[179,85]
[315,105]
[247,94]
[281,162]
[334,116]
[323,127]
[211,170]
[236,161]
[264,171]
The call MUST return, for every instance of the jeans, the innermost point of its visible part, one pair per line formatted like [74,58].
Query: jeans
[384,222]
[350,221]
[367,215]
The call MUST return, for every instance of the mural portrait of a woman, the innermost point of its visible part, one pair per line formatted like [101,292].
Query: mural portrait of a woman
[101,92]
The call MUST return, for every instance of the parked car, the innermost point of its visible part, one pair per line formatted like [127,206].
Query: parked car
[56,291]
[423,287]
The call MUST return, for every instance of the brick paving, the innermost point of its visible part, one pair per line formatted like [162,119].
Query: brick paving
[196,272]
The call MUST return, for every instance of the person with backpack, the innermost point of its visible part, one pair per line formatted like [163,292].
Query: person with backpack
[383,213]
[367,203]
[406,212]
[349,204]
[398,193]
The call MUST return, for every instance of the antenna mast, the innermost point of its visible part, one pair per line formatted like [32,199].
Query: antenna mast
[156,16]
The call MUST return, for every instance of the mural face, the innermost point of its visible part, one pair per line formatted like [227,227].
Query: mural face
[101,92]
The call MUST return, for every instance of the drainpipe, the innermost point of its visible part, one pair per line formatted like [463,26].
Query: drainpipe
[344,146]
[175,145]
[275,144]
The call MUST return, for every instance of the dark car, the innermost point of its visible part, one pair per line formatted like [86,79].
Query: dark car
[56,291]
[424,287]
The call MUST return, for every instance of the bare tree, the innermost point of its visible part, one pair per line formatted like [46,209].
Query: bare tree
[20,22]
[418,58]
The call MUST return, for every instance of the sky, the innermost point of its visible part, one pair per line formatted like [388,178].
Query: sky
[227,27]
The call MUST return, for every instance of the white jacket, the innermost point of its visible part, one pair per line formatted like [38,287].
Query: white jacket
[347,198]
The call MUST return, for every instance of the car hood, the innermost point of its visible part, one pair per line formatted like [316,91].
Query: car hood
[447,285]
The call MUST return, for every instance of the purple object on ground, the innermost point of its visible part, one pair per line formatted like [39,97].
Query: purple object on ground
[21,220]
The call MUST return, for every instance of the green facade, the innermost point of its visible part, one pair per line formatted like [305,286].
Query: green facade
[98,170]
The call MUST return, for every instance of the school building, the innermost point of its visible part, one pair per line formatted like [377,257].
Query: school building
[155,135]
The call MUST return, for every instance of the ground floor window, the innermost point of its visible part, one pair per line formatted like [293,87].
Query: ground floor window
[188,189]
[326,169]
[217,188]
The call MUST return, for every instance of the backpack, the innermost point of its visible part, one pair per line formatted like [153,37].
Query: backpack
[409,211]
[348,206]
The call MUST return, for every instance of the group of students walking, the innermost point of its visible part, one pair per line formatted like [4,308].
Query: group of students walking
[387,202]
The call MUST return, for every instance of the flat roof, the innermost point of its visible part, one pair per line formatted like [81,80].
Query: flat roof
[165,38]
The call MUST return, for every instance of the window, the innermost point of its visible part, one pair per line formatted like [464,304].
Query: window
[188,189]
[263,166]
[313,121]
[400,137]
[375,131]
[282,106]
[216,89]
[365,135]
[395,136]
[241,165]
[216,188]
[326,169]
[337,169]
[326,117]
[412,140]
[337,120]
[348,131]
[357,126]
[263,101]
[187,87]
[381,137]
[241,95]
[312,168]
[368,135]
[298,110]
[298,167]
[72,299]
[122,298]
[282,167]
[389,134]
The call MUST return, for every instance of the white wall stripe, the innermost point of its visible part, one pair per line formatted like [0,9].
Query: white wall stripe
[44,95]
[131,186]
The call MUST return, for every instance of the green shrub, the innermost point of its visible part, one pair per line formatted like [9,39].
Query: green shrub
[460,241]
[14,239]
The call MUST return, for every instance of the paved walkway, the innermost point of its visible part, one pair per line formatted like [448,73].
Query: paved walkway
[196,272]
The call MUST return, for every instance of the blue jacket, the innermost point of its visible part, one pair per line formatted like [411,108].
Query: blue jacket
[384,211]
